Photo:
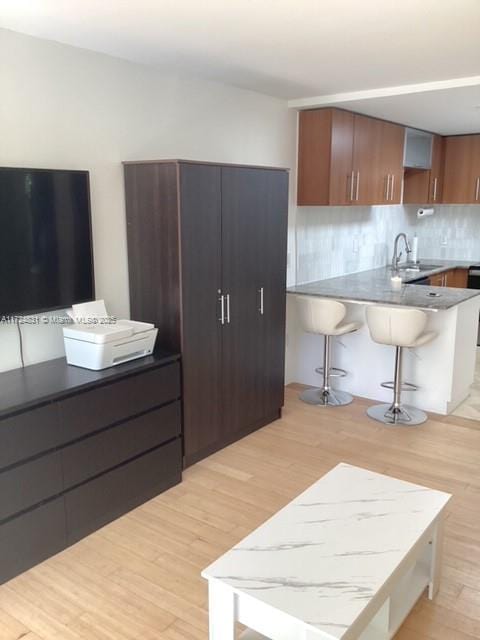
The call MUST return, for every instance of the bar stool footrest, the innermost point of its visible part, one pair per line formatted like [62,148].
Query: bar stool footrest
[405,386]
[335,372]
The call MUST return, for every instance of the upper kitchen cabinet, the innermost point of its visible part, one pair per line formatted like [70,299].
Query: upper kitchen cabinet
[391,163]
[462,170]
[437,172]
[425,186]
[366,161]
[346,158]
[325,147]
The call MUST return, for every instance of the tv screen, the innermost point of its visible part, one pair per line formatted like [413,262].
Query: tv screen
[46,259]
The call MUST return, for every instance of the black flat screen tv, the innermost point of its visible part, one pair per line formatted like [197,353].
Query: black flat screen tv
[46,259]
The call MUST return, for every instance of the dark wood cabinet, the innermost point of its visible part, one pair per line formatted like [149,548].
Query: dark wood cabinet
[97,502]
[201,286]
[228,294]
[79,448]
[32,537]
[462,170]
[253,268]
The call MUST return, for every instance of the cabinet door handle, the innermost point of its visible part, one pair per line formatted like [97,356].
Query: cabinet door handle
[222,308]
[358,185]
[352,182]
[434,195]
[228,307]
[260,291]
[477,190]
[392,187]
[387,186]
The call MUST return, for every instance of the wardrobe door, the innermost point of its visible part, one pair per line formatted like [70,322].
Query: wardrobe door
[271,281]
[200,220]
[243,209]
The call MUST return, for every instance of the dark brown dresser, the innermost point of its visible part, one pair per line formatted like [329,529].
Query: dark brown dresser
[79,448]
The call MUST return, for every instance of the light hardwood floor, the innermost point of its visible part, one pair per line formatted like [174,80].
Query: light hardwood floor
[138,578]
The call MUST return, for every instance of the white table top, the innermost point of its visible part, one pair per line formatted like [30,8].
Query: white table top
[323,558]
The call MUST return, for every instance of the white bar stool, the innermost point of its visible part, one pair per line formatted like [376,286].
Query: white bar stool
[323,316]
[399,328]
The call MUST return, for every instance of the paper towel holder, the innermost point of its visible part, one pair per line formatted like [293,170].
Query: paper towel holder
[424,212]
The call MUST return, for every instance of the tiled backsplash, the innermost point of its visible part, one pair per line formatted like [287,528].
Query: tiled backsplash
[332,241]
[453,232]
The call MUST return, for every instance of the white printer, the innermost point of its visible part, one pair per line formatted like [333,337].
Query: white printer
[95,341]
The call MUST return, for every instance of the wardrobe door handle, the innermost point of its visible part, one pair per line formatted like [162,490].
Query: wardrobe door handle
[260,291]
[434,195]
[221,299]
[228,307]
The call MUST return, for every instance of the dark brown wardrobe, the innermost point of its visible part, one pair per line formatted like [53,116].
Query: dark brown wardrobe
[207,247]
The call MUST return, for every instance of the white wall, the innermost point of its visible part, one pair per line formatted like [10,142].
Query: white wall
[63,107]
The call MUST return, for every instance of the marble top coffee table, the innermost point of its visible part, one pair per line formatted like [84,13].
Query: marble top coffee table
[347,559]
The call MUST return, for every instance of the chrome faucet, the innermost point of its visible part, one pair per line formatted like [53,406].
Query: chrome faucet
[396,255]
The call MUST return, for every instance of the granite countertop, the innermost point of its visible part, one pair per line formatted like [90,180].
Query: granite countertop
[325,557]
[374,286]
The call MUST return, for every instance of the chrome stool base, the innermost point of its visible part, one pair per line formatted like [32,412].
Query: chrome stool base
[405,415]
[333,372]
[331,398]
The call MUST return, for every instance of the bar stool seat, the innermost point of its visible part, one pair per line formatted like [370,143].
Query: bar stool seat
[323,316]
[400,328]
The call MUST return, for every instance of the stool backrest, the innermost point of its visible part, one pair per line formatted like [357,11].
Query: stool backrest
[396,326]
[320,315]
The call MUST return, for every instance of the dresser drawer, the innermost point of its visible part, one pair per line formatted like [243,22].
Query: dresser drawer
[31,538]
[109,448]
[107,497]
[28,434]
[90,411]
[29,484]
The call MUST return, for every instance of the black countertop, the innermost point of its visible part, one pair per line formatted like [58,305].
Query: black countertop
[40,383]
[374,286]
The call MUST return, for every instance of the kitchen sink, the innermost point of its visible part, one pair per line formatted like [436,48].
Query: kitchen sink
[419,267]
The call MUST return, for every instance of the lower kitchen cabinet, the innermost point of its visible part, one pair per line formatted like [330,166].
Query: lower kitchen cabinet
[451,278]
[112,441]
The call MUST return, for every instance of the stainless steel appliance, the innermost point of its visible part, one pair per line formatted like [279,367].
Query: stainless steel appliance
[474,283]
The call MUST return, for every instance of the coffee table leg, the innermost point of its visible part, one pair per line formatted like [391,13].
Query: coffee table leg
[437,544]
[221,611]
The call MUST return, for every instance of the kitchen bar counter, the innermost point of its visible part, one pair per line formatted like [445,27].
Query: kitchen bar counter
[443,369]
[374,286]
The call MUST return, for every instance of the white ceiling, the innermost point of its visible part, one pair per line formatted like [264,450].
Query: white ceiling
[287,48]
